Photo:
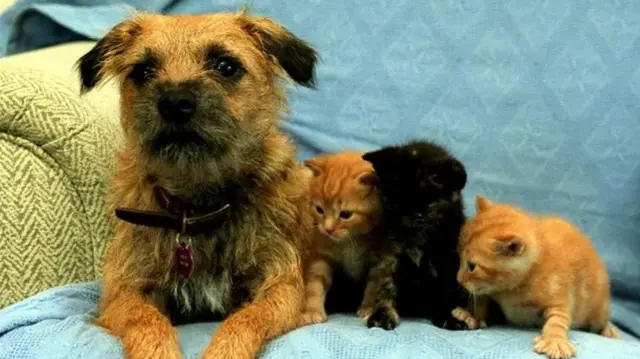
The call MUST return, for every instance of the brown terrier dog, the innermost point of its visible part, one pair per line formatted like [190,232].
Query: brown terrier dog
[207,189]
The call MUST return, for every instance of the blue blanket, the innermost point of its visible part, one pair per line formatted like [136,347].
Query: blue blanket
[540,100]
[56,324]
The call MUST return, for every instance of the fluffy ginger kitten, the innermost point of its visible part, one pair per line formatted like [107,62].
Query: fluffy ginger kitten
[541,271]
[346,209]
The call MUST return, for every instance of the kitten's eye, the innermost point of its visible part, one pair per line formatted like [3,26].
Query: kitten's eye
[226,66]
[319,210]
[471,266]
[345,214]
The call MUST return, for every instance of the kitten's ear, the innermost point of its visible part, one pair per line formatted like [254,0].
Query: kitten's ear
[449,174]
[509,247]
[379,156]
[316,166]
[482,204]
[369,157]
[368,178]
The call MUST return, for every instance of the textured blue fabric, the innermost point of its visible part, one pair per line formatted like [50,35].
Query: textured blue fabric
[33,24]
[540,99]
[56,324]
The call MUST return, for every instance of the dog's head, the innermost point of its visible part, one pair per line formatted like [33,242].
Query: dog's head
[199,89]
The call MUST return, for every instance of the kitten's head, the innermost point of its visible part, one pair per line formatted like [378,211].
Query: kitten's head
[414,176]
[497,248]
[344,198]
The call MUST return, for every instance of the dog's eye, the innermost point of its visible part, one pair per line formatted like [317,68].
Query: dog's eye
[319,210]
[142,72]
[345,214]
[226,66]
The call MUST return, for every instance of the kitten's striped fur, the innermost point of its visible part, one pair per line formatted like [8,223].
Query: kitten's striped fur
[346,209]
[542,272]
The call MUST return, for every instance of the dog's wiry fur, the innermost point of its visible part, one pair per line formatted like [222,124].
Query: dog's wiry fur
[248,270]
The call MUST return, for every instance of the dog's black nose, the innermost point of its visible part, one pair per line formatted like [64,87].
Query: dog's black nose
[177,106]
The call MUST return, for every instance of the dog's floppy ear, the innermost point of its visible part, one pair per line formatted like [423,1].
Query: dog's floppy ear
[294,55]
[102,60]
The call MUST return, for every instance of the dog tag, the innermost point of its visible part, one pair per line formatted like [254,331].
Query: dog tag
[184,257]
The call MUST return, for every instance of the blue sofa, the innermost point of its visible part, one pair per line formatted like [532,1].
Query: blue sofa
[540,100]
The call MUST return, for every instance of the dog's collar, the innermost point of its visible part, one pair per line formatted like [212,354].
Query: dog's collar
[180,216]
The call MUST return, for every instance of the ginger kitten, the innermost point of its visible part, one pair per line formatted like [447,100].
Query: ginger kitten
[541,271]
[346,209]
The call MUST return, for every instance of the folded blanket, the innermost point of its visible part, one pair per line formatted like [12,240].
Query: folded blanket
[57,324]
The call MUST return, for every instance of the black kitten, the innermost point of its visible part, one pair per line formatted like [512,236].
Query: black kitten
[415,273]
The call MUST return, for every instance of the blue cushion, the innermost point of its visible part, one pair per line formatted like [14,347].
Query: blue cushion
[56,324]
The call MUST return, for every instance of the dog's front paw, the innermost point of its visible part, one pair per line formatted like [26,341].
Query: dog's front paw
[553,347]
[145,342]
[384,317]
[233,341]
[149,351]
[313,317]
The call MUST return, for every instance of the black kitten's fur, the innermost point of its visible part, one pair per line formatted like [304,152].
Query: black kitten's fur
[420,187]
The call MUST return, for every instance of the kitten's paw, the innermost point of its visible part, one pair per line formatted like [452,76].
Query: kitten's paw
[455,324]
[463,315]
[450,323]
[313,317]
[385,318]
[554,348]
[364,313]
[610,332]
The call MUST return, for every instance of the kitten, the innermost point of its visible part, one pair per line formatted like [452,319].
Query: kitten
[346,210]
[541,270]
[415,271]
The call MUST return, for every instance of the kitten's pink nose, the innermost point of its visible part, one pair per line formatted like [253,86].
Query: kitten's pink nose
[329,226]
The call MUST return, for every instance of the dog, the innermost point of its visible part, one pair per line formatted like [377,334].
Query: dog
[207,193]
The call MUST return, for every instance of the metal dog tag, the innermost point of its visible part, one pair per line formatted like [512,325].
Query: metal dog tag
[184,257]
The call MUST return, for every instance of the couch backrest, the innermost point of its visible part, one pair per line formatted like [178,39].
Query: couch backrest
[539,99]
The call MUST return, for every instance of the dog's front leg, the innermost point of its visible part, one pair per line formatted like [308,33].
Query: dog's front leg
[274,311]
[145,332]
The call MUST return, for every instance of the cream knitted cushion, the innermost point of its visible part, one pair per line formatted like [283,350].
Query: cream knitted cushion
[56,157]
